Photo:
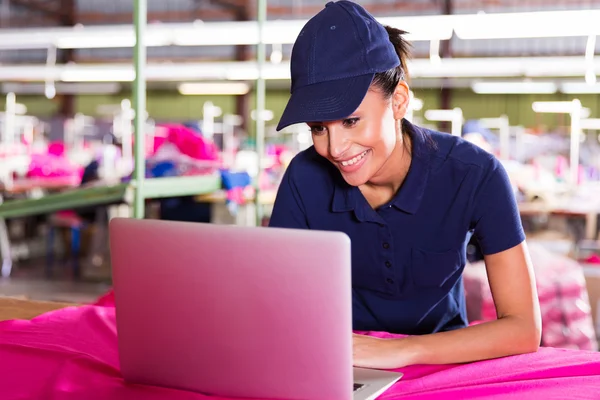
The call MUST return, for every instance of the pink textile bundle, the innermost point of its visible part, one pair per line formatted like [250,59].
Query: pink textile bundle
[566,313]
[53,164]
[187,142]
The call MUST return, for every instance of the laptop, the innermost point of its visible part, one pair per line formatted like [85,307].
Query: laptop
[238,312]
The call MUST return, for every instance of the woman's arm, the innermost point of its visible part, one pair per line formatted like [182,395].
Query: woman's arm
[517,329]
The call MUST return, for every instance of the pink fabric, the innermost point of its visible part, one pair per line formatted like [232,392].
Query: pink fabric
[72,354]
[187,141]
[564,304]
[593,259]
[53,166]
[56,149]
[236,195]
[561,166]
[277,150]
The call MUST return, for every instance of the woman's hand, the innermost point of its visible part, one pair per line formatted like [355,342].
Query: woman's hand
[370,352]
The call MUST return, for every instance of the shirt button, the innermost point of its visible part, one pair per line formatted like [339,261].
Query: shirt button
[388,264]
[390,281]
[386,245]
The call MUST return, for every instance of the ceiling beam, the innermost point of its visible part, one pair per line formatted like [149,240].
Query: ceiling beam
[233,5]
[446,52]
[162,16]
[69,12]
[45,10]
[43,7]
[99,17]
[69,18]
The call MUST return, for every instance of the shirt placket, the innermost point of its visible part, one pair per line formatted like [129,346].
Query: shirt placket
[386,260]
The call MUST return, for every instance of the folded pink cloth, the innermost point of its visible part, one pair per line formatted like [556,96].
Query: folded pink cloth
[564,304]
[72,354]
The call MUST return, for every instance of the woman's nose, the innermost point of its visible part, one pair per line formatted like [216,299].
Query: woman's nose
[338,143]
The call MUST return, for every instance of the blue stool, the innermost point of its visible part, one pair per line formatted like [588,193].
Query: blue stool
[75,225]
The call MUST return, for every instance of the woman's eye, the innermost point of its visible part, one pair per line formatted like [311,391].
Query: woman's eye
[317,129]
[350,122]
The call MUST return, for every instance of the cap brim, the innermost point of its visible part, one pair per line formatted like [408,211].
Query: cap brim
[325,101]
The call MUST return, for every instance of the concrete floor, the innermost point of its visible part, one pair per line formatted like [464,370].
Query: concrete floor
[29,281]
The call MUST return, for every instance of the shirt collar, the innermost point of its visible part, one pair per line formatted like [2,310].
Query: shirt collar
[343,200]
[348,198]
[409,197]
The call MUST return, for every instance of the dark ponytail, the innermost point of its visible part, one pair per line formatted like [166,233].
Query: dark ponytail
[388,80]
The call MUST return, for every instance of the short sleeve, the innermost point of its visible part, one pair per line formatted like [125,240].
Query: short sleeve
[288,210]
[496,219]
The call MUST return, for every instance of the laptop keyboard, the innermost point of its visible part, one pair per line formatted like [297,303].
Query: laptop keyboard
[357,386]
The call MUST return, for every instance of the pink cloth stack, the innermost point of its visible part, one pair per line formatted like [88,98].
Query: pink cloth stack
[566,313]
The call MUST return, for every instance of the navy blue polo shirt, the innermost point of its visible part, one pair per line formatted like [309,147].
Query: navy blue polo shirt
[408,255]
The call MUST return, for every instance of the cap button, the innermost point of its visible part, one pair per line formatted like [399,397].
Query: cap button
[329,3]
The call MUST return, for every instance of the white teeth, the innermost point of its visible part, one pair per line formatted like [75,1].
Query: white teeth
[355,159]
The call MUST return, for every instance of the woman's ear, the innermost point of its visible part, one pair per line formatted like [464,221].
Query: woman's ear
[400,100]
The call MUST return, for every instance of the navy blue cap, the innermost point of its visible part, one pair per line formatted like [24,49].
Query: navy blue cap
[334,60]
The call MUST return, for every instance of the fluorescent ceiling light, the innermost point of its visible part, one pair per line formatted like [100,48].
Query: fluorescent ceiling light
[435,27]
[214,88]
[182,72]
[430,27]
[28,73]
[533,67]
[97,74]
[514,87]
[62,88]
[234,71]
[14,39]
[95,42]
[427,27]
[159,72]
[235,33]
[443,115]
[116,36]
[217,33]
[501,67]
[510,67]
[286,31]
[558,107]
[250,71]
[536,24]
[580,88]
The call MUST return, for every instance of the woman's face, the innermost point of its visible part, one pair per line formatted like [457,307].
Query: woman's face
[360,144]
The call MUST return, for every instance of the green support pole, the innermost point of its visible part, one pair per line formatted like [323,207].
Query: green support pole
[260,103]
[139,100]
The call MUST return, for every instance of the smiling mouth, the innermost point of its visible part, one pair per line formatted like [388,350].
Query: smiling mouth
[354,160]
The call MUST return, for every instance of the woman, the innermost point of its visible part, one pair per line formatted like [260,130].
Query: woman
[409,199]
